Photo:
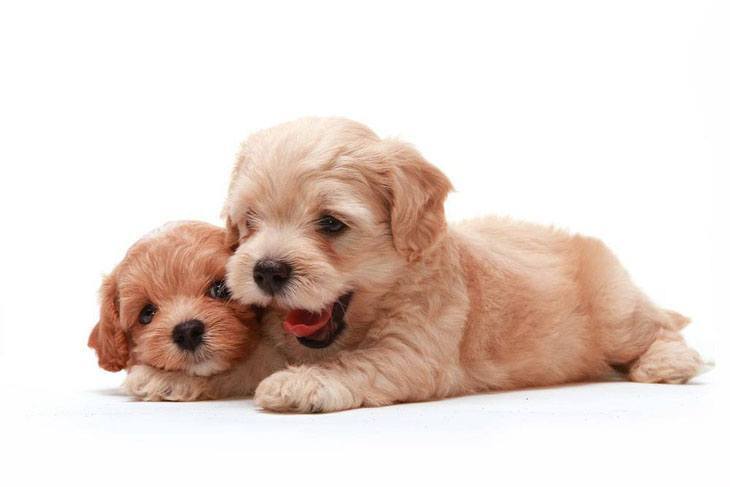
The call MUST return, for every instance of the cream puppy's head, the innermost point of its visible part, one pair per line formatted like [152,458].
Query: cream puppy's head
[166,305]
[324,217]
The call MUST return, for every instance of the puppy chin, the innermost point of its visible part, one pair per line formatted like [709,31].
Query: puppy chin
[206,368]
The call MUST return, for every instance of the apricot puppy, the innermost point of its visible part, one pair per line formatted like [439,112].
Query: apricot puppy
[167,317]
[345,233]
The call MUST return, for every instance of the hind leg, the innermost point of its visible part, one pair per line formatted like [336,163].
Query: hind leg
[668,359]
[648,346]
[632,333]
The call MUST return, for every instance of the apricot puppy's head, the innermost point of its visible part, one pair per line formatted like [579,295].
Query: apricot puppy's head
[324,216]
[166,305]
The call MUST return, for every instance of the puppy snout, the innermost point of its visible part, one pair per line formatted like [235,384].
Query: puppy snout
[271,275]
[188,335]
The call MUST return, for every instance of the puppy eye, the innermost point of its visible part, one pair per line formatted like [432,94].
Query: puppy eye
[219,290]
[147,313]
[330,225]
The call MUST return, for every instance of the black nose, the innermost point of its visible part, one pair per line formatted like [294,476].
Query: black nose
[188,335]
[271,275]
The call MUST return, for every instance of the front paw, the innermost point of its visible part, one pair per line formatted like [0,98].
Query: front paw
[303,390]
[151,384]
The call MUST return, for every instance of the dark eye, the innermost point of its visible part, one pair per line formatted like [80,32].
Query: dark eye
[219,290]
[147,313]
[330,225]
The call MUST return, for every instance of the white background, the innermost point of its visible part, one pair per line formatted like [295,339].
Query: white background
[607,118]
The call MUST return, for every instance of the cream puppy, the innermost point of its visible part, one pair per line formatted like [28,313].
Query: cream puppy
[385,302]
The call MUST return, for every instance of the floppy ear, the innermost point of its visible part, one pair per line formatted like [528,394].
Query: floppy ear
[233,236]
[107,337]
[417,194]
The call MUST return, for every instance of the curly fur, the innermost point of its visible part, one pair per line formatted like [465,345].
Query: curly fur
[173,268]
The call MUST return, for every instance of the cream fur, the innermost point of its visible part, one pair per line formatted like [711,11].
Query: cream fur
[437,311]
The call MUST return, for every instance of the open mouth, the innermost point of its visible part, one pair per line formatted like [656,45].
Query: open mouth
[318,330]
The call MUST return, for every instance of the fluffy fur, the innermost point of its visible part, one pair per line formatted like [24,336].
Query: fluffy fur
[173,269]
[437,310]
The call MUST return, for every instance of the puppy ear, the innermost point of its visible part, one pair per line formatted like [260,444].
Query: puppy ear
[233,236]
[417,193]
[107,337]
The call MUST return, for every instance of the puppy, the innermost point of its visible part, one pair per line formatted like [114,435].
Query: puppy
[386,303]
[167,317]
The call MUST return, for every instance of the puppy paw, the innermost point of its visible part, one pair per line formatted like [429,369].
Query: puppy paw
[667,360]
[303,390]
[151,384]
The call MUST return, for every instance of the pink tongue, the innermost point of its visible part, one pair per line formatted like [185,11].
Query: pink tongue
[303,323]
